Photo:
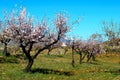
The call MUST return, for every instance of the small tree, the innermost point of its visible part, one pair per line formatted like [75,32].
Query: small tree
[26,34]
[86,49]
[4,38]
[112,32]
[82,48]
[94,48]
[94,45]
[73,51]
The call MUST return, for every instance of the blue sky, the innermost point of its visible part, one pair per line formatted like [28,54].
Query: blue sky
[93,12]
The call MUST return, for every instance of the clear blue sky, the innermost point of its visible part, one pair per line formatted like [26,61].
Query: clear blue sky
[93,11]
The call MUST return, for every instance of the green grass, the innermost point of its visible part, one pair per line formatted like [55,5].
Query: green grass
[10,59]
[58,67]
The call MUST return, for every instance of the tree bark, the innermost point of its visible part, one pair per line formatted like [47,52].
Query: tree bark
[30,59]
[80,54]
[49,50]
[29,65]
[84,55]
[93,57]
[6,53]
[89,56]
[73,61]
[65,50]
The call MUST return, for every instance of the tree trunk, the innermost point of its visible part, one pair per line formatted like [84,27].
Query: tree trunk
[30,59]
[73,61]
[89,56]
[6,53]
[29,65]
[80,58]
[93,57]
[49,51]
[84,55]
[65,51]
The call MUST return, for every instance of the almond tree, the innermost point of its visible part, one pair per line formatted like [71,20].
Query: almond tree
[81,49]
[4,38]
[94,45]
[73,51]
[24,32]
[74,44]
[86,49]
[112,33]
[93,49]
[111,30]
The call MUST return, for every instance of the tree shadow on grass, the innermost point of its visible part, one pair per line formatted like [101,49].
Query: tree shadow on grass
[9,59]
[94,63]
[115,72]
[51,71]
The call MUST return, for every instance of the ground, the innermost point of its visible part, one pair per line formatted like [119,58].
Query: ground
[58,67]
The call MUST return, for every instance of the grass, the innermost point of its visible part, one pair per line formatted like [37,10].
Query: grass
[10,59]
[58,67]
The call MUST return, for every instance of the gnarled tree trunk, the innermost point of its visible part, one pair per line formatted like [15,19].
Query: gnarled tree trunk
[29,65]
[89,56]
[6,53]
[73,61]
[80,54]
[49,50]
[65,50]
[93,57]
[30,59]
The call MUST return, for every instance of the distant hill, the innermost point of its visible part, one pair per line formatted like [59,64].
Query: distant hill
[66,41]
